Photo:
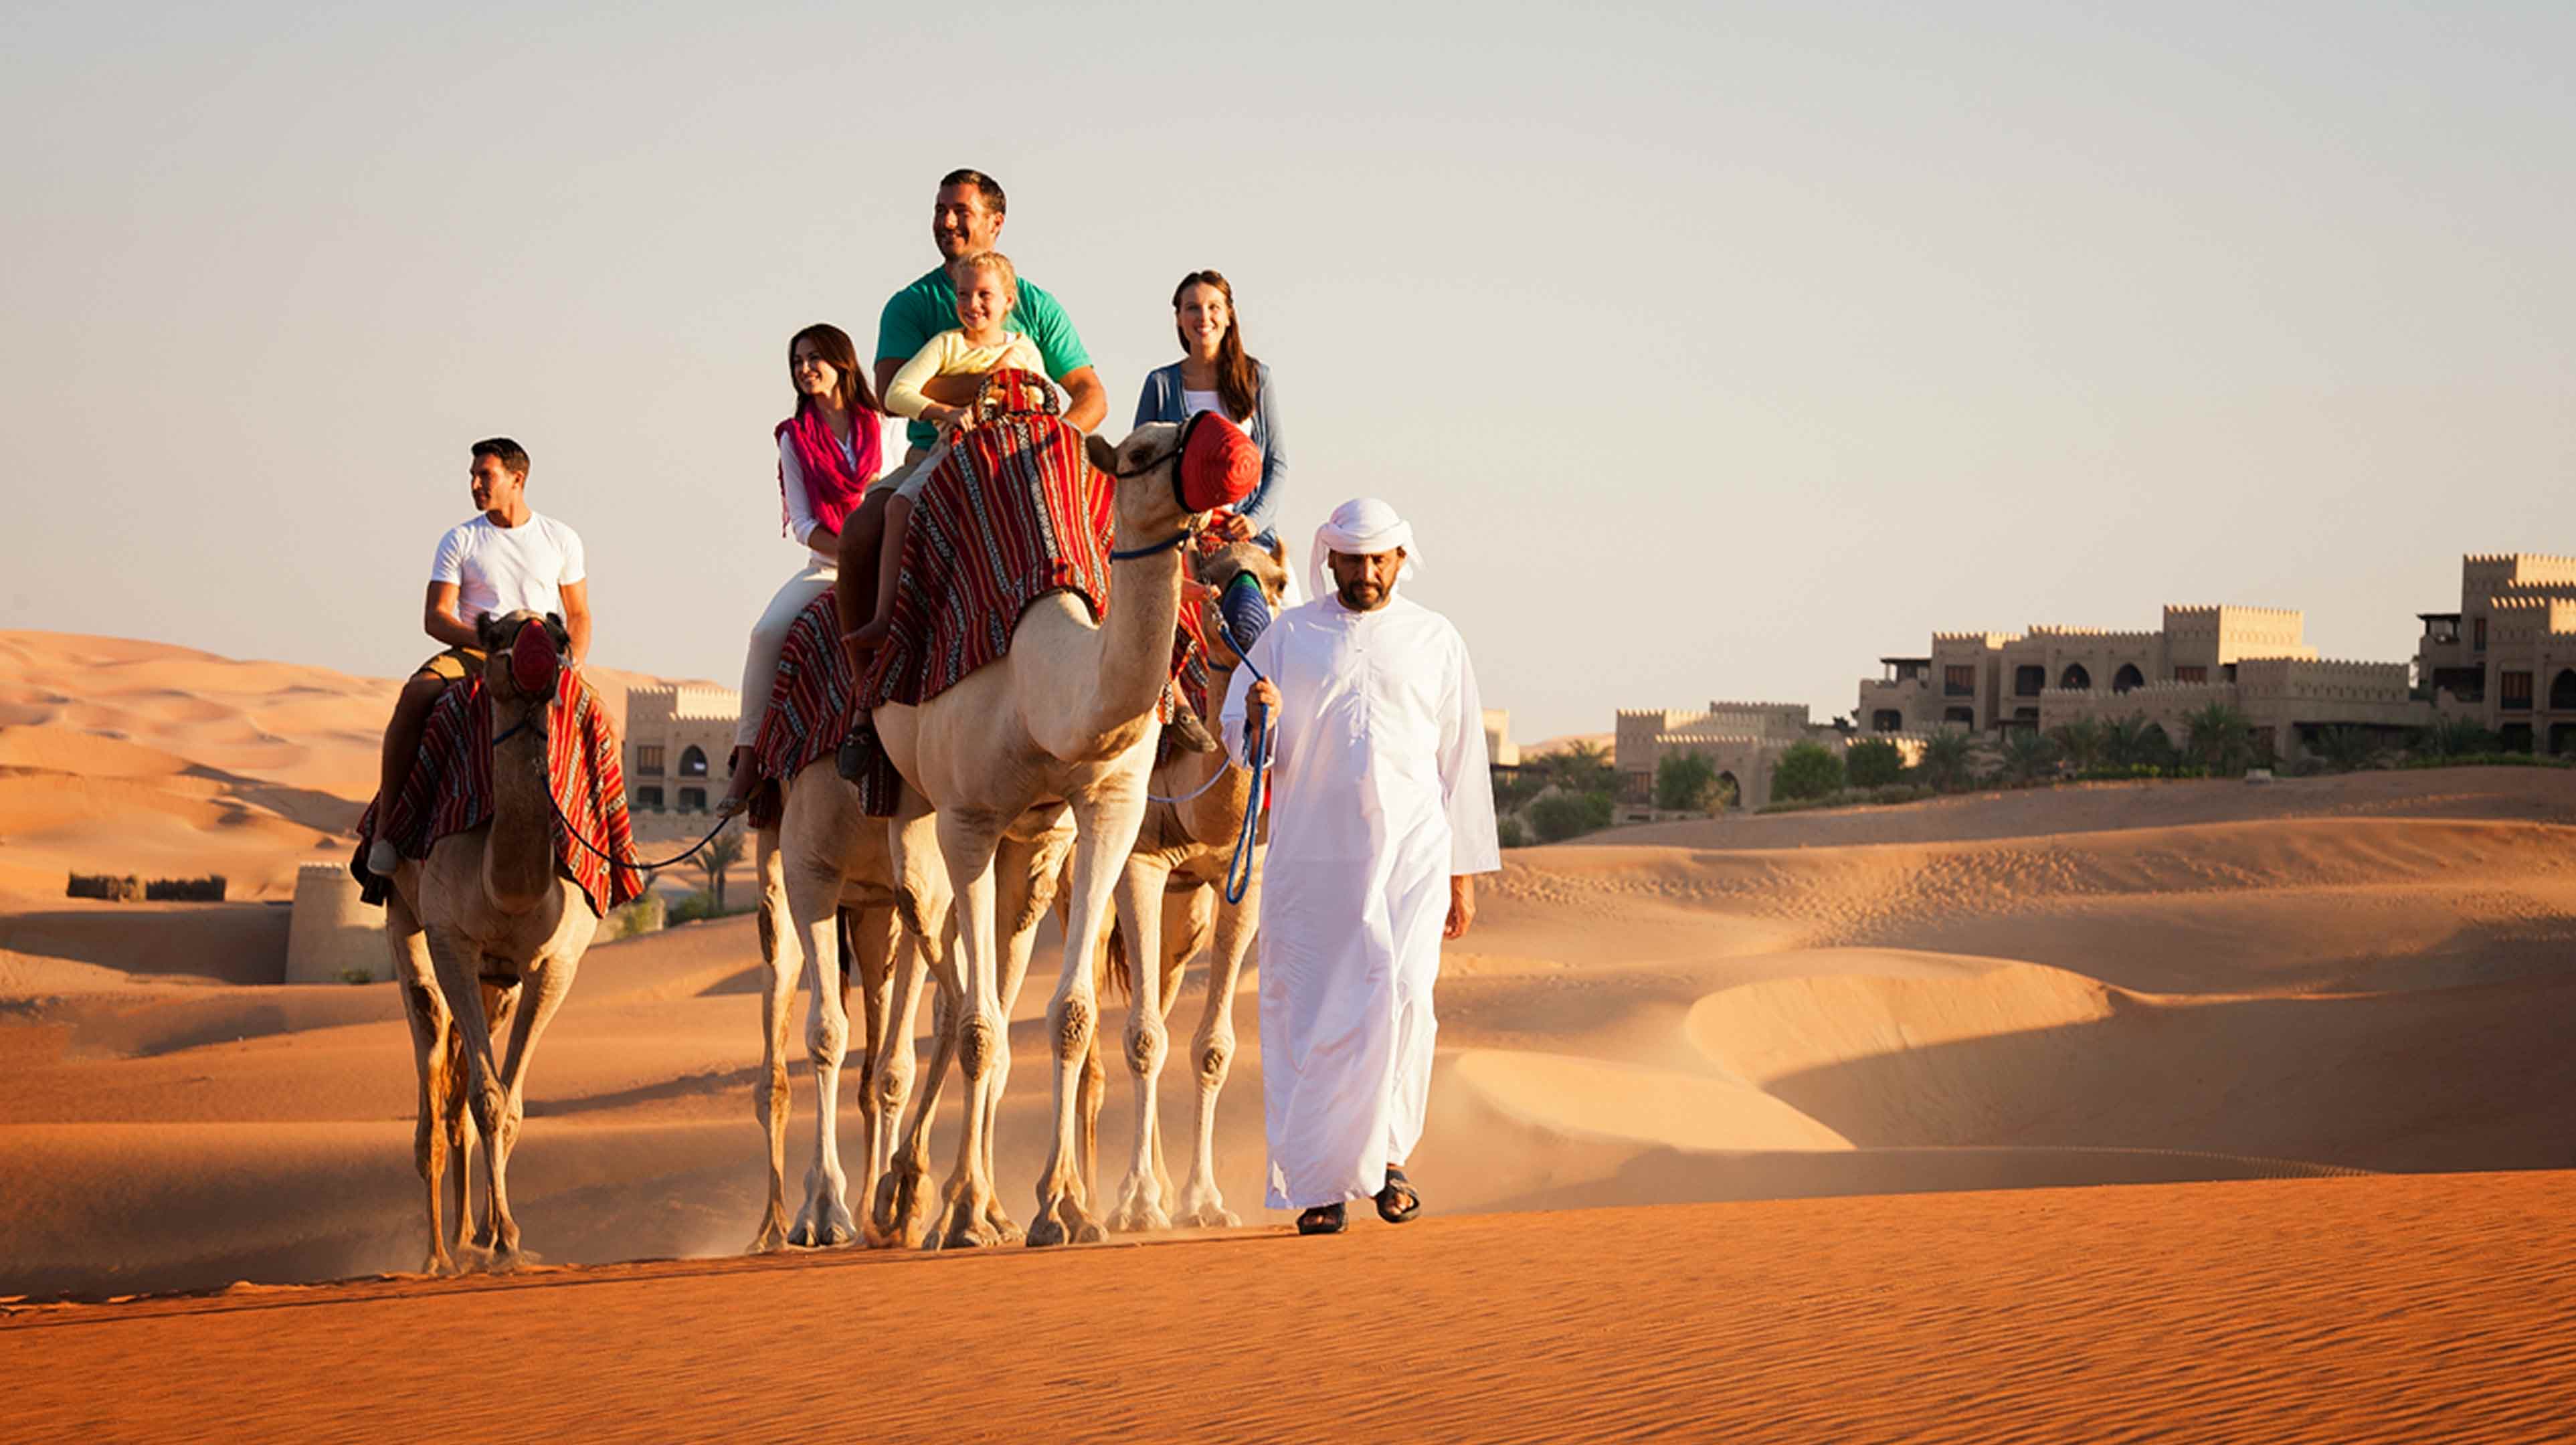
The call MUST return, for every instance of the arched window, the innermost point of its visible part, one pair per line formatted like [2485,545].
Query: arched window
[2075,678]
[2562,690]
[1960,715]
[2127,677]
[1730,794]
[693,762]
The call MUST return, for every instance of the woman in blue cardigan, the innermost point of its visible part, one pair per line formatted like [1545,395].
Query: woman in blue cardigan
[1213,374]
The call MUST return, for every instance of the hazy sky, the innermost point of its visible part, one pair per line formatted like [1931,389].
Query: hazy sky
[1714,350]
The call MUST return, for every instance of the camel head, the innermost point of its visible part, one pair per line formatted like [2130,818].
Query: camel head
[1245,582]
[524,654]
[1170,475]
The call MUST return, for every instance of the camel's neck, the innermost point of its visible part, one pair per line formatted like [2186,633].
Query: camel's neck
[519,852]
[1119,668]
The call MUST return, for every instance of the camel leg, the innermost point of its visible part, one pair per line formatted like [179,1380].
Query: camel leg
[458,964]
[922,902]
[1094,1089]
[547,981]
[873,940]
[1139,896]
[968,841]
[1106,817]
[814,903]
[1201,1205]
[432,1035]
[500,1005]
[769,1093]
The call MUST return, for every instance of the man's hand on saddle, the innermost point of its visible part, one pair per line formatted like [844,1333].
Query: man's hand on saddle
[1462,906]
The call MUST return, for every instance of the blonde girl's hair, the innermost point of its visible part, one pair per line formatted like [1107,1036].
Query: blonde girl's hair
[993,261]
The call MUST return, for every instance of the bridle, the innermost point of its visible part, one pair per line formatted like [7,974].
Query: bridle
[1196,519]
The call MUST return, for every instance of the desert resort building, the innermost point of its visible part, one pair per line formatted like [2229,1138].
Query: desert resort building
[2505,660]
[677,739]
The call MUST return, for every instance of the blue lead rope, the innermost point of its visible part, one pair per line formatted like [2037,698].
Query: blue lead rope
[1242,613]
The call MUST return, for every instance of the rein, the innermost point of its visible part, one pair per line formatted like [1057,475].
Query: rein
[527,719]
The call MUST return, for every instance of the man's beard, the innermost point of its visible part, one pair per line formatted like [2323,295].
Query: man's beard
[1360,596]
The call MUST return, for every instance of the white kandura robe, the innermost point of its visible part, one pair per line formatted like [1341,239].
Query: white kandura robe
[1379,793]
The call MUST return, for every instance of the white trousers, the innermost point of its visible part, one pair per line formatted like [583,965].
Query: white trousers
[769,638]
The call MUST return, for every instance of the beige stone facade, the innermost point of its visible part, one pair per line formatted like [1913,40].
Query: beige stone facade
[2507,659]
[2254,659]
[1500,750]
[677,741]
[1744,739]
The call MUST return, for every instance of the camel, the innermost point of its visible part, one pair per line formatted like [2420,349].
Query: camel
[488,932]
[1067,714]
[825,860]
[1169,900]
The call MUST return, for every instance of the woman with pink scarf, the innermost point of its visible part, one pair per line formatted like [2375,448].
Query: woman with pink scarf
[828,454]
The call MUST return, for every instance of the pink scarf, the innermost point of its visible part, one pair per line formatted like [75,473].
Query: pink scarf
[832,485]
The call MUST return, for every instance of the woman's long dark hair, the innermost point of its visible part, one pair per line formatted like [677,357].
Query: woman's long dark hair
[833,345]
[1238,378]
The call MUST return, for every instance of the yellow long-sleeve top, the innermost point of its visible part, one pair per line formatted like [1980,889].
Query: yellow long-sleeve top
[951,354]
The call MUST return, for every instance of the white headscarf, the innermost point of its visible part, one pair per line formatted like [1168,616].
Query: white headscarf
[1360,525]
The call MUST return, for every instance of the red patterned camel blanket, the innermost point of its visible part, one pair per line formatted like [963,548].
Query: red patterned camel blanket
[809,705]
[1013,512]
[450,789]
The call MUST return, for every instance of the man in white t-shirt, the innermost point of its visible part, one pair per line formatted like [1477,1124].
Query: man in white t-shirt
[503,561]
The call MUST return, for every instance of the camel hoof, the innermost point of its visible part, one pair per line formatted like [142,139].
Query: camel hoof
[1137,1217]
[770,1240]
[1208,1216]
[1005,1229]
[440,1266]
[1045,1233]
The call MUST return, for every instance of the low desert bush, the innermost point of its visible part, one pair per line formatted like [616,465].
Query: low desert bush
[209,889]
[1806,770]
[1872,763]
[1510,833]
[105,885]
[638,918]
[1560,816]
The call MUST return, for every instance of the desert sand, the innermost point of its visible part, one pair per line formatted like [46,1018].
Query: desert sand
[2309,1023]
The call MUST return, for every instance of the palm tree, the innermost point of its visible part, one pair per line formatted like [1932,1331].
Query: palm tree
[2124,740]
[2348,749]
[1581,767]
[2215,738]
[1948,760]
[2453,737]
[2028,757]
[2082,741]
[717,859]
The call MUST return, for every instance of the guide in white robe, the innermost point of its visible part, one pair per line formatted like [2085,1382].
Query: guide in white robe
[1379,795]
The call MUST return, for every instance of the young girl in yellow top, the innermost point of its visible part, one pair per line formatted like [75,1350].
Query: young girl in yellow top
[987,288]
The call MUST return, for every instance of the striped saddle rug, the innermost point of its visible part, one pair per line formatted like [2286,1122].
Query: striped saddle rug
[450,790]
[809,705]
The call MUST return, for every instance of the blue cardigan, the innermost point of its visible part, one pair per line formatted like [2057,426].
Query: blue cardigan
[1161,401]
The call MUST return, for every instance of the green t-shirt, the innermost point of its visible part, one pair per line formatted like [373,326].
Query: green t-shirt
[928,307]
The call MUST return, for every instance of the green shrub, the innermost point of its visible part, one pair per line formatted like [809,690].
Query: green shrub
[1685,782]
[695,907]
[1560,816]
[638,918]
[356,975]
[209,889]
[2488,760]
[104,885]
[1949,760]
[1510,833]
[1873,763]
[1807,770]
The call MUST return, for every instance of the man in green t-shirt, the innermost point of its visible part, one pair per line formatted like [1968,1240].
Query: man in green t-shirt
[966,219]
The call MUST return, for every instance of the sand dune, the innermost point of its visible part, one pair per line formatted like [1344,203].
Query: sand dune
[119,756]
[2124,985]
[2308,1310]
